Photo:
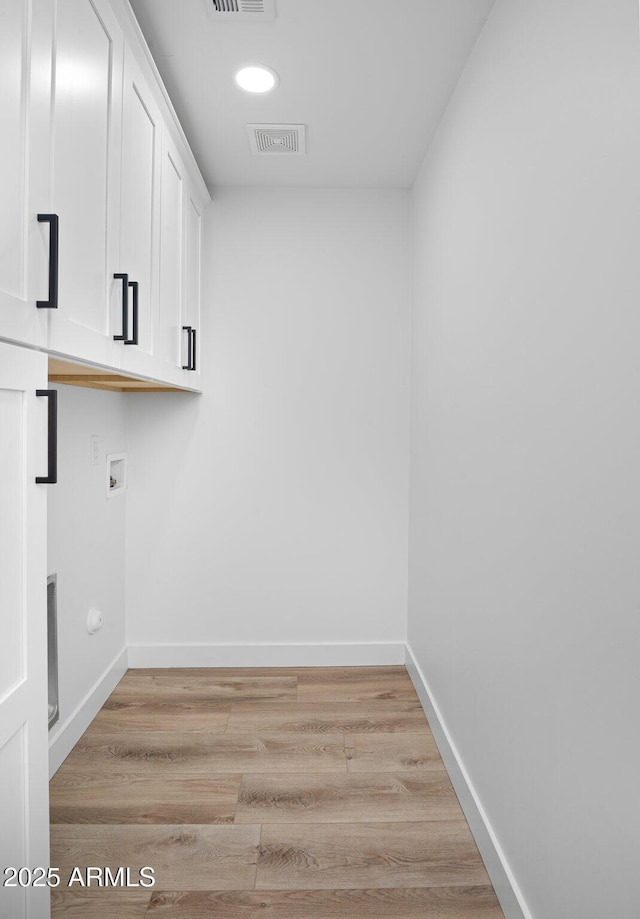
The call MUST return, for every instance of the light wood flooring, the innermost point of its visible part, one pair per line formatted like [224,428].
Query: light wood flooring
[279,794]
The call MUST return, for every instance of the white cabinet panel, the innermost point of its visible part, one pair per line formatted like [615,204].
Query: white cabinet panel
[173,348]
[180,242]
[24,804]
[86,145]
[192,274]
[140,217]
[26,30]
[13,804]
[11,575]
[14,103]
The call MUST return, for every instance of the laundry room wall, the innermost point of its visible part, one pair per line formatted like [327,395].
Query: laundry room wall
[272,509]
[86,550]
[524,610]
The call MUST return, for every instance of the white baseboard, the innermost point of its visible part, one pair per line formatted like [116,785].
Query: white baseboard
[268,655]
[506,887]
[66,735]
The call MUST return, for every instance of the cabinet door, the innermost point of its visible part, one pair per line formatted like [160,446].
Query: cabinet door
[24,803]
[180,242]
[140,219]
[26,36]
[87,108]
[192,274]
[173,347]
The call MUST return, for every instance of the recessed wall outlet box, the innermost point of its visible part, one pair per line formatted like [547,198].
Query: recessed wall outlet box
[116,474]
[95,450]
[94,621]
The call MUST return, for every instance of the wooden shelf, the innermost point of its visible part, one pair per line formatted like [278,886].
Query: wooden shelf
[73,374]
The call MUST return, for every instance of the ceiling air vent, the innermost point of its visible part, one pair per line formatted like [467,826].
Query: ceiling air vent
[277,139]
[241,10]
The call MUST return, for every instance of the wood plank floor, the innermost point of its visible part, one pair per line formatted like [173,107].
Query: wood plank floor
[311,793]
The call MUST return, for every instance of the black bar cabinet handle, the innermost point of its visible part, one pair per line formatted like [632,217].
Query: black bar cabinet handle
[52,474]
[188,330]
[125,306]
[194,350]
[134,310]
[52,302]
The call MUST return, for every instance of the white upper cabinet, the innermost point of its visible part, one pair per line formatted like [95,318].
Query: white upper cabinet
[87,100]
[139,223]
[173,344]
[26,33]
[180,246]
[192,276]
[100,199]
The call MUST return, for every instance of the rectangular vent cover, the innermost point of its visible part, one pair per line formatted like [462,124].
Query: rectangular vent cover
[241,10]
[277,139]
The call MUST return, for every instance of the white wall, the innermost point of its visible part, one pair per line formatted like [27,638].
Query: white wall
[86,544]
[273,508]
[525,454]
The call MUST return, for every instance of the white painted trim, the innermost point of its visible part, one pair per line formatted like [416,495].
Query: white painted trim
[65,736]
[267,655]
[505,885]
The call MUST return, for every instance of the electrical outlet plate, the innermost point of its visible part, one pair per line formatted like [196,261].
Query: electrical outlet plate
[96,451]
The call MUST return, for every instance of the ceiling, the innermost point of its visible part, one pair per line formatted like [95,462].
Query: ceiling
[369,78]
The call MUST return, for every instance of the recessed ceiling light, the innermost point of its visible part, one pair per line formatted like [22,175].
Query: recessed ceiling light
[256,78]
